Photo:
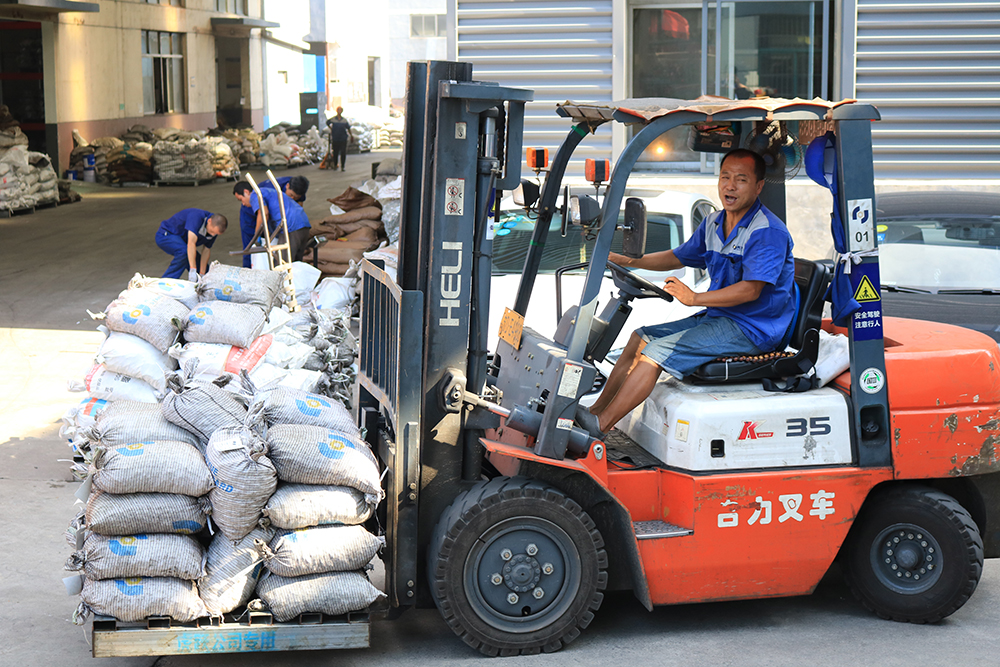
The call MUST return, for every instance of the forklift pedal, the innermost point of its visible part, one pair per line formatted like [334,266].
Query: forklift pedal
[651,530]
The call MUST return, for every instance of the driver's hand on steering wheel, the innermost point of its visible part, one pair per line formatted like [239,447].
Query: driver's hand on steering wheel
[675,288]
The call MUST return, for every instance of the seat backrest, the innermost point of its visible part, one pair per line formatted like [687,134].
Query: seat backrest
[812,279]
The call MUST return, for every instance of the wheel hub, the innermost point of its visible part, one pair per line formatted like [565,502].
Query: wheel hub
[522,573]
[906,558]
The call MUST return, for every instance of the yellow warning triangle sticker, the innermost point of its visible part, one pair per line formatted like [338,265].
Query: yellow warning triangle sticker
[866,291]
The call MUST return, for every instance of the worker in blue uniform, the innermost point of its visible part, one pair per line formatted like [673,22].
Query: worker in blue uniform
[251,218]
[295,187]
[182,234]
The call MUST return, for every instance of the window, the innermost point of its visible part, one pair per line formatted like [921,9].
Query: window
[232,7]
[162,72]
[428,25]
[736,49]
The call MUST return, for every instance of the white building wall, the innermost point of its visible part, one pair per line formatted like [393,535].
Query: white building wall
[284,70]
[358,31]
[406,48]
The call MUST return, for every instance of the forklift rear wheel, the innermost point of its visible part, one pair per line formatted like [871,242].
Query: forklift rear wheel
[516,567]
[914,555]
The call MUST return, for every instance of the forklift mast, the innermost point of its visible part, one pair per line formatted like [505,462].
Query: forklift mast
[424,335]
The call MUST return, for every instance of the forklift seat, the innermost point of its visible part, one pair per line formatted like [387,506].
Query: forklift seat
[812,279]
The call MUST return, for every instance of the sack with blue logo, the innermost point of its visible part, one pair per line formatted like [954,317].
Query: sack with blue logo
[238,285]
[244,479]
[231,571]
[110,386]
[148,315]
[284,405]
[128,514]
[153,466]
[294,553]
[332,593]
[302,505]
[201,408]
[317,455]
[183,290]
[224,323]
[134,599]
[142,555]
[127,422]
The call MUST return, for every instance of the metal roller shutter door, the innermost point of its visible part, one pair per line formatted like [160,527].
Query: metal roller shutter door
[561,49]
[933,70]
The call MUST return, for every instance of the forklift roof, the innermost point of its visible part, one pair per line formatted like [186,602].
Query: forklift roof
[709,108]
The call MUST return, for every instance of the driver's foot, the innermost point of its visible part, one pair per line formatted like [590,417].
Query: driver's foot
[590,422]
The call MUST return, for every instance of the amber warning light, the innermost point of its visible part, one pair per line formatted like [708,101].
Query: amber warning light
[597,171]
[538,158]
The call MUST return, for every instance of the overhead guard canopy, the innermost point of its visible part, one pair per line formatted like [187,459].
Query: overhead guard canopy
[710,108]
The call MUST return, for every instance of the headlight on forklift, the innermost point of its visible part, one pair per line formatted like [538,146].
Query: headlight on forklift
[583,210]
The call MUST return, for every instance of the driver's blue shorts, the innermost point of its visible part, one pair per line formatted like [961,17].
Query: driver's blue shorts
[681,347]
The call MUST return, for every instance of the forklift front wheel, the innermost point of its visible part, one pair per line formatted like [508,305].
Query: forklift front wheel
[516,567]
[914,555]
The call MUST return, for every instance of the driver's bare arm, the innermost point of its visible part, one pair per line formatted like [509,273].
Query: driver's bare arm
[665,260]
[734,295]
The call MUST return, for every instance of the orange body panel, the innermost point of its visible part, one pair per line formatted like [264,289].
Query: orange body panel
[765,534]
[944,399]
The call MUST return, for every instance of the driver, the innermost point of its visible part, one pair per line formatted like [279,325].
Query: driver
[749,306]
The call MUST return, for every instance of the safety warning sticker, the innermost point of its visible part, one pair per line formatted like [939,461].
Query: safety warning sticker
[570,381]
[866,291]
[454,196]
[866,322]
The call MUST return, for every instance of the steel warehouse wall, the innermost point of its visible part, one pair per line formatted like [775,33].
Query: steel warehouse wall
[561,49]
[933,70]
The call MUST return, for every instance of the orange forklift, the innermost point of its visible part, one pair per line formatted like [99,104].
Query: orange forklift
[513,521]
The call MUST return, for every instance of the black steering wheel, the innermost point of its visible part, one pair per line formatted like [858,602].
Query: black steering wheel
[643,288]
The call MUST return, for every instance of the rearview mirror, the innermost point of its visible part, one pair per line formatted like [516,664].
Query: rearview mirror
[583,210]
[634,229]
[525,194]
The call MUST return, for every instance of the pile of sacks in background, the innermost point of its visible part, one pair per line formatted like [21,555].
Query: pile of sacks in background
[27,178]
[130,163]
[224,163]
[244,143]
[203,493]
[278,149]
[189,159]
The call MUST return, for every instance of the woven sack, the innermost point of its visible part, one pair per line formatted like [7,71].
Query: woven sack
[332,593]
[303,505]
[156,466]
[293,553]
[112,514]
[183,290]
[152,555]
[239,285]
[244,479]
[316,455]
[148,315]
[108,385]
[202,409]
[231,571]
[125,422]
[224,323]
[130,355]
[282,405]
[133,599]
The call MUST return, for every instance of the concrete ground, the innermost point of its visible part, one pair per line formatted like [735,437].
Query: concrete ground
[57,263]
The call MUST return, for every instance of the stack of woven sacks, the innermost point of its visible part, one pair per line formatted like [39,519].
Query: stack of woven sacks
[224,163]
[130,163]
[356,229]
[26,178]
[188,160]
[98,148]
[164,450]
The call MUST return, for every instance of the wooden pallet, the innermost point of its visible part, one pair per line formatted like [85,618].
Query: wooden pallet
[191,183]
[28,210]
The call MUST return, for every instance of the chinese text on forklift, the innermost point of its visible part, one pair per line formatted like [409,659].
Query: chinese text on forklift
[514,522]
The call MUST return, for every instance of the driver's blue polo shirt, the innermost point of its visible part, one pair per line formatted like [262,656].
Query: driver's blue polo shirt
[759,248]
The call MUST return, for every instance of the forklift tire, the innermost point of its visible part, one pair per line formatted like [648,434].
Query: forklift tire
[516,567]
[914,555]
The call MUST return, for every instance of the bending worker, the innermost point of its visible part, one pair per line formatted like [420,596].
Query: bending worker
[182,234]
[749,306]
[251,218]
[295,187]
